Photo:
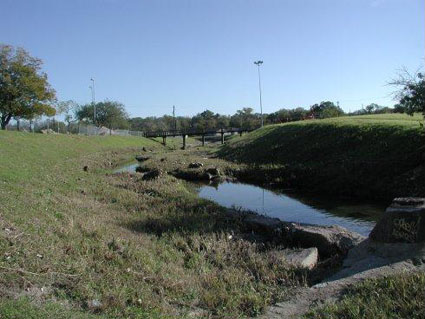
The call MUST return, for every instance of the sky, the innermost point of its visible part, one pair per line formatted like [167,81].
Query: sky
[199,54]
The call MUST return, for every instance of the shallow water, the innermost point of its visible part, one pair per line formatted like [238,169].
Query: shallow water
[128,168]
[357,216]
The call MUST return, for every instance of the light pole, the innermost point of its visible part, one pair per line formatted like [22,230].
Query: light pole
[174,118]
[258,63]
[93,100]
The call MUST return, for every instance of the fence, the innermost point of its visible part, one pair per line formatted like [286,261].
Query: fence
[52,127]
[84,129]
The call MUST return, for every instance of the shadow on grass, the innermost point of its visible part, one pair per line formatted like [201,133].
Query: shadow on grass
[188,217]
[353,161]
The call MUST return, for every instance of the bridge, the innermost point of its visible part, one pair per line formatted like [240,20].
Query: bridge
[195,132]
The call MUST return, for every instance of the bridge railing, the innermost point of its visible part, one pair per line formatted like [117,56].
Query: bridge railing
[194,132]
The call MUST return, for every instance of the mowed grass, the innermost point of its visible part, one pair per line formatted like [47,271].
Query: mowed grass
[392,297]
[96,244]
[366,156]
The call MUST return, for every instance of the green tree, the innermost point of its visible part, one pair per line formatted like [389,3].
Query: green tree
[411,93]
[24,89]
[245,119]
[108,113]
[325,110]
[67,108]
[205,121]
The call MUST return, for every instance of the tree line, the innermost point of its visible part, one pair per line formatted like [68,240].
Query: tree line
[25,94]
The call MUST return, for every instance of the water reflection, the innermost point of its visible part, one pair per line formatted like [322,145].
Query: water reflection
[129,168]
[354,215]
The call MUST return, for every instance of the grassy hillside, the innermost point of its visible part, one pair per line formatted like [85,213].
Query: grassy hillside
[392,297]
[369,156]
[91,244]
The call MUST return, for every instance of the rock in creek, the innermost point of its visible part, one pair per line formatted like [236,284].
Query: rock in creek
[213,171]
[141,158]
[190,175]
[403,222]
[140,169]
[195,165]
[303,258]
[329,240]
[152,175]
[207,176]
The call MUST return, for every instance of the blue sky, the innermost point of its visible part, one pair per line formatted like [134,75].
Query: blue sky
[198,54]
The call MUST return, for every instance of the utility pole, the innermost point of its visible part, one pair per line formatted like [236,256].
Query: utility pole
[93,100]
[174,117]
[258,63]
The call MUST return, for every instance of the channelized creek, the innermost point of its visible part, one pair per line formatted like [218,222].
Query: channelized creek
[357,216]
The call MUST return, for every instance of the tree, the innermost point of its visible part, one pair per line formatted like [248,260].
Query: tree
[325,110]
[24,90]
[67,108]
[108,113]
[411,92]
[245,119]
[205,121]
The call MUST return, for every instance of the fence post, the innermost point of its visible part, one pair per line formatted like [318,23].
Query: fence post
[184,141]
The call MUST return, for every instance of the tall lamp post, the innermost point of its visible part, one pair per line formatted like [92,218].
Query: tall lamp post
[93,100]
[258,63]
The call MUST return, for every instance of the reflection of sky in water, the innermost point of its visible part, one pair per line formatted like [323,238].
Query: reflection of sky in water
[265,202]
[130,168]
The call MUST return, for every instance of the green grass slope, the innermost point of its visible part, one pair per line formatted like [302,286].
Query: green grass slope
[376,156]
[92,244]
[393,297]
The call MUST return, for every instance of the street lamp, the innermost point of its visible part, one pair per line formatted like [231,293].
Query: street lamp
[93,100]
[258,63]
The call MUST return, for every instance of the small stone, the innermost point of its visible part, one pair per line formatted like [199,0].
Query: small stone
[141,158]
[140,169]
[39,256]
[195,165]
[94,304]
[213,171]
[304,258]
[152,175]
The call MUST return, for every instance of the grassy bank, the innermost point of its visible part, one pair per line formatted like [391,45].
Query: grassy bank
[100,245]
[400,296]
[377,156]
